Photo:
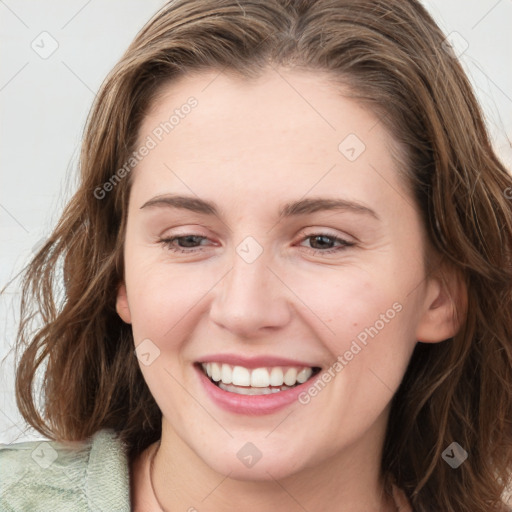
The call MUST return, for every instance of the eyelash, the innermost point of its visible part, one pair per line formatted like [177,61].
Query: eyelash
[167,242]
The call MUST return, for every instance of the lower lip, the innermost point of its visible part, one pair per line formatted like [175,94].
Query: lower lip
[251,404]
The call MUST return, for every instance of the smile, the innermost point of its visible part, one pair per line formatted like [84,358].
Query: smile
[256,381]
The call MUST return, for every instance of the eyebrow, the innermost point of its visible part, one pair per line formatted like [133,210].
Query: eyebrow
[291,209]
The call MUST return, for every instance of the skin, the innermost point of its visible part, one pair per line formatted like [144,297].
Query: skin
[251,146]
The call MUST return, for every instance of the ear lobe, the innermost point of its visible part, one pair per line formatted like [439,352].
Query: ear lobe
[122,307]
[445,308]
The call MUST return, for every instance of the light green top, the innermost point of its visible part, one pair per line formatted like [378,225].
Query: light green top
[46,476]
[90,476]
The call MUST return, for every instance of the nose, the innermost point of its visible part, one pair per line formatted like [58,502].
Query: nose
[250,300]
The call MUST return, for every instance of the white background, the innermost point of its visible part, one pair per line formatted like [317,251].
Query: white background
[44,104]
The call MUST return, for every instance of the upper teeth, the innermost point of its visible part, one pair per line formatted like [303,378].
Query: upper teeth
[258,377]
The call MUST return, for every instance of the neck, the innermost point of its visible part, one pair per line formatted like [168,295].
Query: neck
[180,480]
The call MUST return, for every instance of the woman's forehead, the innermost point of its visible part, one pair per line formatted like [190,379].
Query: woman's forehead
[288,129]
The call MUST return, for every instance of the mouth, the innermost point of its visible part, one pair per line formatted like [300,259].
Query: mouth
[257,381]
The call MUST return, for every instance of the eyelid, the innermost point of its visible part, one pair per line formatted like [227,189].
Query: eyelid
[184,230]
[345,243]
[303,232]
[314,230]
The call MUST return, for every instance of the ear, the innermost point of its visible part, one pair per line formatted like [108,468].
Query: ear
[122,307]
[445,307]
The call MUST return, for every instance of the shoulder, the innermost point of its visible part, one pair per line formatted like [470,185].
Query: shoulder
[52,476]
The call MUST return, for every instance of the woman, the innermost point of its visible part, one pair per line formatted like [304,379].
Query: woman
[209,352]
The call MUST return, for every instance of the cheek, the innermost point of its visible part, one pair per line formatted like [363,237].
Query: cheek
[366,319]
[348,301]
[339,304]
[163,298]
[165,302]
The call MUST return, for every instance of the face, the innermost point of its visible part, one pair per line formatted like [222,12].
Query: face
[272,243]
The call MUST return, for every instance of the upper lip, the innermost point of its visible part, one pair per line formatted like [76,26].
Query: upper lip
[255,361]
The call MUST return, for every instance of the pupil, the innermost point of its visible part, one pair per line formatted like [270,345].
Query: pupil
[188,239]
[319,237]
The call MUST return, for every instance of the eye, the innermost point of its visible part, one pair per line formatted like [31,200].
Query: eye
[323,241]
[189,242]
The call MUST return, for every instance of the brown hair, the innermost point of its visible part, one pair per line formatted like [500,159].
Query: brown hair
[390,55]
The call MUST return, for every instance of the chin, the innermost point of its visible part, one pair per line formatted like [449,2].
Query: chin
[243,461]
